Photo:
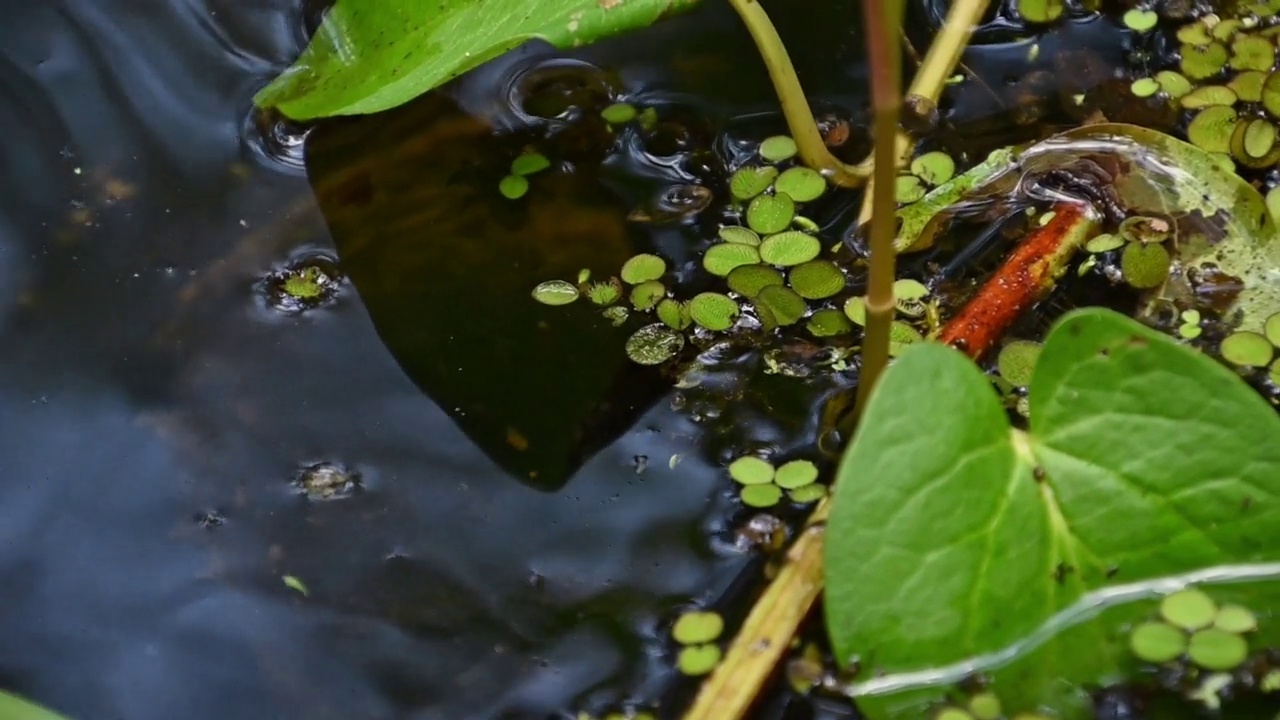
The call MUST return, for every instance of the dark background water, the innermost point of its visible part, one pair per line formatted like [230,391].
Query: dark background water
[154,410]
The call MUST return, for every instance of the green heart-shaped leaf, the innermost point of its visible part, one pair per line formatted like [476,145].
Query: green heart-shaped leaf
[955,536]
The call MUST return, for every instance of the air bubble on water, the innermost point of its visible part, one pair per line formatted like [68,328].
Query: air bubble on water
[674,203]
[275,141]
[327,481]
[559,89]
[309,280]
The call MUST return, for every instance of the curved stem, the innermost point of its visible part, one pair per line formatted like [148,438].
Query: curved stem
[795,108]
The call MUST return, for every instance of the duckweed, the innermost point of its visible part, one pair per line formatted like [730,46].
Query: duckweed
[801,183]
[697,627]
[1157,642]
[749,280]
[1235,619]
[782,303]
[828,322]
[739,234]
[768,214]
[713,311]
[1216,649]
[908,189]
[807,493]
[1211,128]
[985,706]
[788,248]
[760,496]
[555,292]
[796,474]
[751,470]
[642,268]
[619,113]
[1272,329]
[647,294]
[1106,242]
[654,344]
[529,163]
[777,148]
[674,314]
[721,259]
[513,187]
[1017,361]
[1144,87]
[934,168]
[1247,349]
[1040,11]
[816,279]
[1174,84]
[1145,266]
[1190,609]
[698,660]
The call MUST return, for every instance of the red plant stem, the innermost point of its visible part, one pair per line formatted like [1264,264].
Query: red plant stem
[1024,279]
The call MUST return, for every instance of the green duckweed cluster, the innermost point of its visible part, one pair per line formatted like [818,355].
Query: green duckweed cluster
[763,485]
[1139,247]
[515,184]
[696,632]
[980,706]
[1192,626]
[1253,350]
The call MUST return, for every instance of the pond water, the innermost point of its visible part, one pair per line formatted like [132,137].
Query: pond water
[528,510]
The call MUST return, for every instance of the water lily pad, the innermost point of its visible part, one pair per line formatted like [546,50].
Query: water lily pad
[792,247]
[778,148]
[828,322]
[1215,649]
[768,214]
[654,344]
[739,234]
[697,627]
[750,181]
[722,258]
[934,168]
[783,304]
[749,280]
[555,292]
[1190,609]
[801,183]
[643,267]
[751,470]
[1247,349]
[795,474]
[713,311]
[760,496]
[1157,642]
[816,279]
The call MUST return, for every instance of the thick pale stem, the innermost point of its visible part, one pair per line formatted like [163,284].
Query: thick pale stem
[930,79]
[795,107]
[883,20]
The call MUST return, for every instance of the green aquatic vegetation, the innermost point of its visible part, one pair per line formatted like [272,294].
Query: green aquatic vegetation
[1006,527]
[723,258]
[513,187]
[748,182]
[1157,642]
[1106,242]
[1140,20]
[796,474]
[674,314]
[295,584]
[617,315]
[1145,266]
[985,706]
[1211,128]
[778,148]
[908,189]
[698,659]
[1215,649]
[713,311]
[1247,349]
[1175,84]
[1199,62]
[749,280]
[828,322]
[1235,619]
[1040,11]
[654,344]
[697,627]
[643,267]
[604,293]
[529,163]
[1144,87]
[769,214]
[751,470]
[307,283]
[779,305]
[801,183]
[1017,361]
[807,493]
[556,292]
[368,57]
[816,279]
[15,707]
[619,113]
[788,248]
[647,294]
[1189,609]
[739,234]
[934,168]
[760,496]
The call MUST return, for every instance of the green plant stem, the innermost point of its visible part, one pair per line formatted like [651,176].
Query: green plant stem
[883,19]
[795,107]
[930,79]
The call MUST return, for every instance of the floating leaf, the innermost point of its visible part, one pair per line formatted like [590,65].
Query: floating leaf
[529,163]
[1203,61]
[14,707]
[1105,242]
[1211,128]
[1247,349]
[698,659]
[370,56]
[796,474]
[739,234]
[1190,609]
[1145,266]
[619,113]
[1139,20]
[1174,84]
[985,706]
[828,322]
[760,496]
[816,279]
[513,187]
[555,292]
[713,311]
[643,267]
[749,182]
[723,258]
[855,308]
[801,183]
[1215,649]
[1251,52]
[952,545]
[1248,85]
[789,248]
[1157,642]
[674,314]
[934,168]
[1235,619]
[749,280]
[807,493]
[604,293]
[654,344]
[647,294]
[751,470]
[695,628]
[902,335]
[1144,87]
[1208,95]
[908,189]
[783,304]
[768,214]
[1017,361]
[1040,11]
[778,148]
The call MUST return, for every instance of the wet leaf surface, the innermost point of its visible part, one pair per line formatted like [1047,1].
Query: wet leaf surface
[374,55]
[956,536]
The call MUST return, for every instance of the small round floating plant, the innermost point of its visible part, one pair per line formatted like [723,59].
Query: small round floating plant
[763,485]
[1192,625]
[697,632]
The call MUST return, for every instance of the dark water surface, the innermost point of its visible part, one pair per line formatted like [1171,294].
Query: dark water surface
[155,409]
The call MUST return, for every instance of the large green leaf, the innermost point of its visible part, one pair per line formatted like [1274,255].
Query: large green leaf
[954,535]
[370,55]
[14,707]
